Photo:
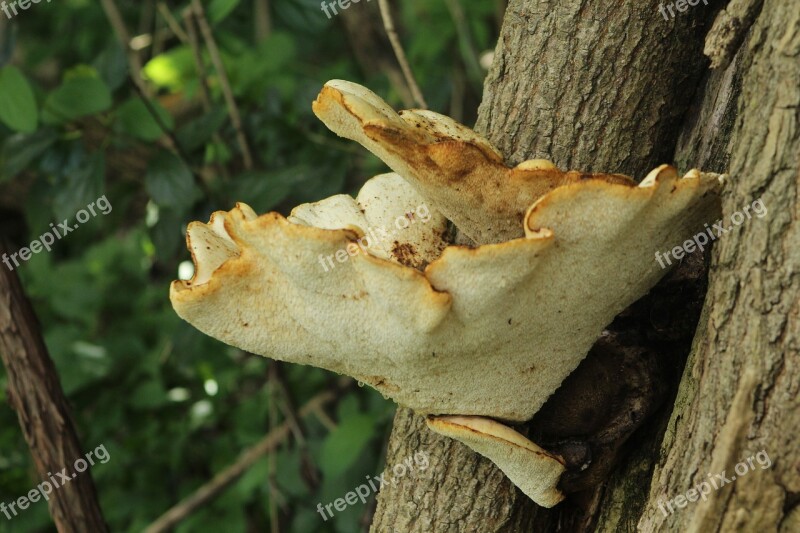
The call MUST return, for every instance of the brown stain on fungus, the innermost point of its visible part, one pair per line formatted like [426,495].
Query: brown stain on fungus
[406,254]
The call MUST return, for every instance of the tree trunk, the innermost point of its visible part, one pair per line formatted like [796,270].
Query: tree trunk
[739,393]
[35,393]
[589,87]
[607,88]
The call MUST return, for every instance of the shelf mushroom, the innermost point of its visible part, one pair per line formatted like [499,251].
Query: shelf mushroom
[472,337]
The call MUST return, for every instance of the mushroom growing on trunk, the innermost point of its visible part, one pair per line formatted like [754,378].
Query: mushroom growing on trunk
[471,336]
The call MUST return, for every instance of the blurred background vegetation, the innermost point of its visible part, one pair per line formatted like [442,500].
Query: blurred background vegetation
[81,116]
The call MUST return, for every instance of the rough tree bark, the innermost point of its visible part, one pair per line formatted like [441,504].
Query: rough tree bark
[35,393]
[739,394]
[607,88]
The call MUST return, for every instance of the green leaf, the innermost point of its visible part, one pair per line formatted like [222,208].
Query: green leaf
[220,9]
[79,363]
[170,183]
[112,65]
[172,69]
[304,16]
[21,149]
[197,132]
[18,108]
[288,469]
[77,97]
[268,65]
[166,234]
[348,407]
[134,118]
[305,519]
[82,185]
[262,191]
[343,446]
[255,477]
[148,395]
[216,517]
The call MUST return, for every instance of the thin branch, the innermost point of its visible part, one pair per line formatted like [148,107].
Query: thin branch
[161,33]
[248,458]
[325,419]
[174,144]
[163,127]
[263,22]
[467,48]
[197,54]
[310,472]
[202,76]
[283,401]
[388,24]
[216,58]
[118,24]
[371,48]
[272,467]
[147,15]
[458,94]
[166,14]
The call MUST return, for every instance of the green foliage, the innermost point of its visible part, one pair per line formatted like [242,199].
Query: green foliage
[18,108]
[172,406]
[79,95]
[145,121]
[171,70]
[343,447]
[169,182]
[219,10]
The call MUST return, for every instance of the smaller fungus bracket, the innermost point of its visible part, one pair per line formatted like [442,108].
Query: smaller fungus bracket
[393,221]
[534,470]
[456,168]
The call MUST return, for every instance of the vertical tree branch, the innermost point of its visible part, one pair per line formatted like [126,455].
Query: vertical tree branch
[372,49]
[171,22]
[272,457]
[469,54]
[225,84]
[197,55]
[118,24]
[388,24]
[36,395]
[263,22]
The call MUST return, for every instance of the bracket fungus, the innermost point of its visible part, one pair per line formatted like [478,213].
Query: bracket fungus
[470,336]
[458,170]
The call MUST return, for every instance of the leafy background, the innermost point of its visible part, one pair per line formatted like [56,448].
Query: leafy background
[171,405]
